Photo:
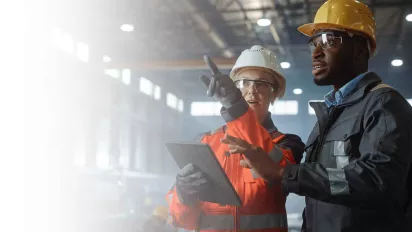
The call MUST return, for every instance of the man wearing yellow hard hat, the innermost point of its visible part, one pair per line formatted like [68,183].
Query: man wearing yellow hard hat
[358,156]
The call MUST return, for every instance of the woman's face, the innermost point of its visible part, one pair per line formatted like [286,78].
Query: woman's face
[257,88]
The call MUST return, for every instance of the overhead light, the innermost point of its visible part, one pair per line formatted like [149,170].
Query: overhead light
[285,65]
[297,91]
[409,18]
[264,22]
[397,62]
[127,27]
[106,59]
[82,51]
[126,76]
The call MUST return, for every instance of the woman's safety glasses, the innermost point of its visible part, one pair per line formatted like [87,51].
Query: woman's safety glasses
[326,40]
[246,84]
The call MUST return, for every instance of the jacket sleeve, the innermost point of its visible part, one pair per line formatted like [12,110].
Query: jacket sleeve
[241,122]
[381,171]
[294,144]
[184,216]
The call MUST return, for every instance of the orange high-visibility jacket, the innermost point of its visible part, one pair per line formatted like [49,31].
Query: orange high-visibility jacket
[263,204]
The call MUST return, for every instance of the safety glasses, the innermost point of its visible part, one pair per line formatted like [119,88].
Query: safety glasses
[245,84]
[326,40]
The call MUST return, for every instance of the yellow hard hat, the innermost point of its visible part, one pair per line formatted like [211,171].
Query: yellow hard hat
[350,15]
[161,212]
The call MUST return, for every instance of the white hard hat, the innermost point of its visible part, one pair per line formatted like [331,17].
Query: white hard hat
[260,57]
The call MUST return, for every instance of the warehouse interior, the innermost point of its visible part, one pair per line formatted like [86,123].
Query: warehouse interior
[127,81]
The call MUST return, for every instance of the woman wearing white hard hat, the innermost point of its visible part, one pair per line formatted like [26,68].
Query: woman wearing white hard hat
[246,95]
[256,74]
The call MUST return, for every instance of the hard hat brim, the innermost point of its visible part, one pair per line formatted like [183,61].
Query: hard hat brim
[309,29]
[236,72]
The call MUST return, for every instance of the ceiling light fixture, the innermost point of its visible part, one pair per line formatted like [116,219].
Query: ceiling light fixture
[297,91]
[285,65]
[397,62]
[409,18]
[264,22]
[127,27]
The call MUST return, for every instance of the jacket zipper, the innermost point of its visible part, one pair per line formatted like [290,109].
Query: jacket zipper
[319,147]
[323,135]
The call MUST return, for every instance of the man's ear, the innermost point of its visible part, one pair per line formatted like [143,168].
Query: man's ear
[361,51]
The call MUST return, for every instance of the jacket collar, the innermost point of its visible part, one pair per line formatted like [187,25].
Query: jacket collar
[336,97]
[269,125]
[363,86]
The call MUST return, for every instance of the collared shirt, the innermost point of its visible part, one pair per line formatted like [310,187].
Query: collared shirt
[334,98]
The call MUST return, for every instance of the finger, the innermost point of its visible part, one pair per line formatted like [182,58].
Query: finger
[221,89]
[228,136]
[234,139]
[245,164]
[234,149]
[199,182]
[234,142]
[227,141]
[210,84]
[205,80]
[212,66]
[187,170]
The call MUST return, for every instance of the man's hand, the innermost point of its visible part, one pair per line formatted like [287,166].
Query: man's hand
[255,158]
[220,86]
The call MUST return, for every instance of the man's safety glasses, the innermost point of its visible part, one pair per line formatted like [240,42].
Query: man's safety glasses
[326,40]
[246,84]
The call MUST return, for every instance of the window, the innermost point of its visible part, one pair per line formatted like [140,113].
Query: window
[284,107]
[126,76]
[157,92]
[82,51]
[115,73]
[64,41]
[205,108]
[146,86]
[79,158]
[171,100]
[310,109]
[180,105]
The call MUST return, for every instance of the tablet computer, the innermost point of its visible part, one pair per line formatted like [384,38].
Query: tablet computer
[203,157]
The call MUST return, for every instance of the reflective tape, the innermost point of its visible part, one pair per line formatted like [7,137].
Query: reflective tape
[217,222]
[246,222]
[263,221]
[342,159]
[275,154]
[337,181]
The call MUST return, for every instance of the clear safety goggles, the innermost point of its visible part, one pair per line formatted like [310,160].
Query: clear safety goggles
[246,84]
[330,39]
[326,40]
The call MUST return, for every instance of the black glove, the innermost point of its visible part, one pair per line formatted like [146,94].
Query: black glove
[221,86]
[191,183]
